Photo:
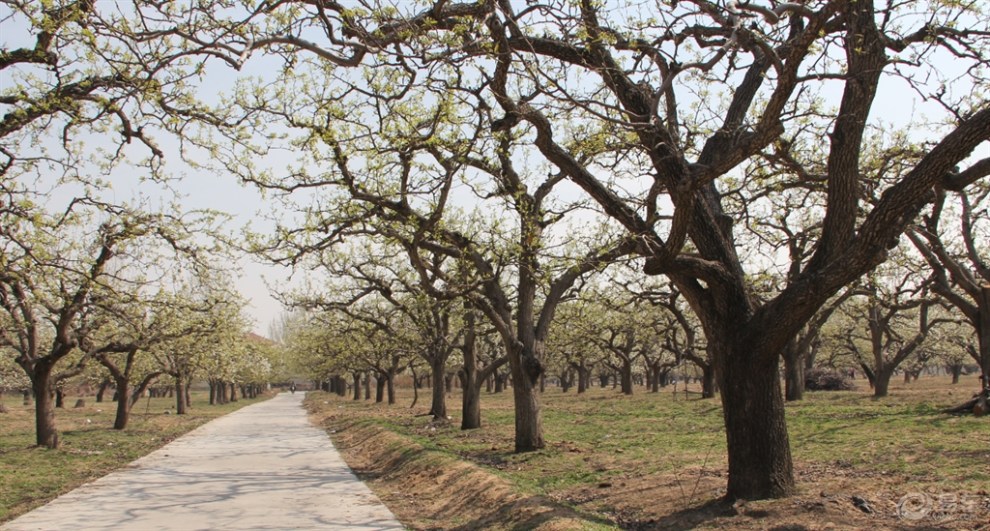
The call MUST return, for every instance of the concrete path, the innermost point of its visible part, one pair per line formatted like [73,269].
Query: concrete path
[262,467]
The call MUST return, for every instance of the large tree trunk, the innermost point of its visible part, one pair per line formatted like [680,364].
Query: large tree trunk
[180,398]
[471,389]
[471,403]
[123,405]
[881,382]
[529,417]
[438,407]
[627,380]
[793,372]
[379,389]
[44,410]
[756,432]
[526,370]
[707,381]
[983,334]
[390,387]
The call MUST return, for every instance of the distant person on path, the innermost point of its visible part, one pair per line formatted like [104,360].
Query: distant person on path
[292,387]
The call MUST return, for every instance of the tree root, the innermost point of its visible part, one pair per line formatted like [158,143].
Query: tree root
[979,405]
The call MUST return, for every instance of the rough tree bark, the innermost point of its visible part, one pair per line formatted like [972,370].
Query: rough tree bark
[44,419]
[180,394]
[474,377]
[758,446]
[438,403]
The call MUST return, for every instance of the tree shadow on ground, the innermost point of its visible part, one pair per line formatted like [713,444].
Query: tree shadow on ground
[687,518]
[529,513]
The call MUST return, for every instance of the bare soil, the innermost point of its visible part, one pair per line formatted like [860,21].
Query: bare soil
[829,499]
[431,490]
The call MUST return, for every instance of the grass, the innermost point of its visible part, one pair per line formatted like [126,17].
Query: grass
[90,448]
[841,441]
[905,434]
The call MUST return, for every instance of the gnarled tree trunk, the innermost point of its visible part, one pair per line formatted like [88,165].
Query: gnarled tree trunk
[526,369]
[760,463]
[180,394]
[983,334]
[390,387]
[379,389]
[438,405]
[626,376]
[793,372]
[123,405]
[44,419]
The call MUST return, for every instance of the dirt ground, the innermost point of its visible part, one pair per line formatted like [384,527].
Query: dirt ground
[829,499]
[434,490]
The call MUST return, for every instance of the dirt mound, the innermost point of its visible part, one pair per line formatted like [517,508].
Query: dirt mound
[430,490]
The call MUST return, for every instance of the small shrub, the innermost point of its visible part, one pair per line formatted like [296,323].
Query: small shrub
[827,380]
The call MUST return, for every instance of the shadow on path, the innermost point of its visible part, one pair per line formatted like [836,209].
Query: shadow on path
[261,467]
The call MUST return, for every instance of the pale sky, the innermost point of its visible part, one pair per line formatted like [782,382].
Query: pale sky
[247,206]
[199,190]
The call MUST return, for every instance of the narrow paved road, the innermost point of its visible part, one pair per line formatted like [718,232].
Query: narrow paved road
[262,467]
